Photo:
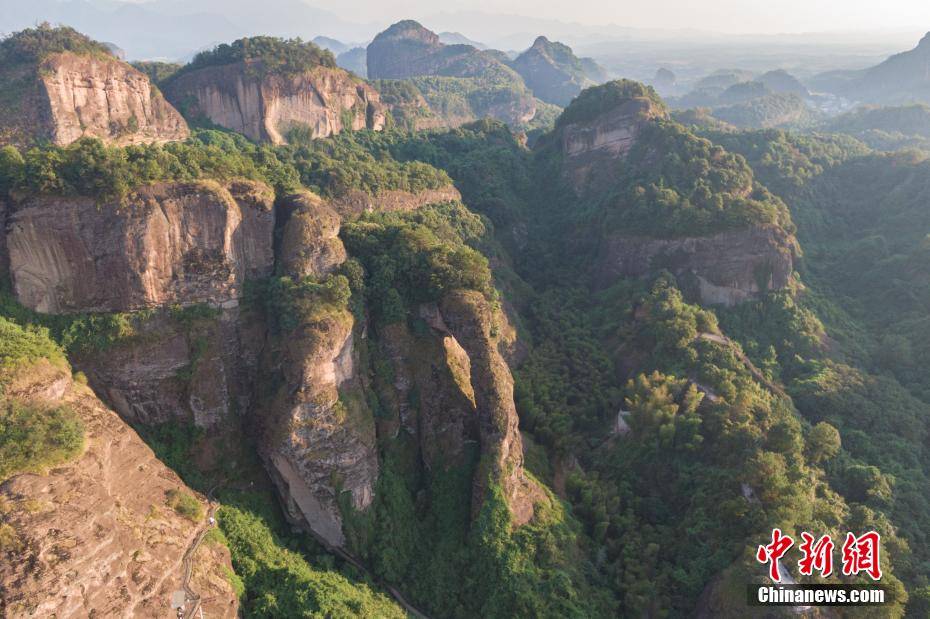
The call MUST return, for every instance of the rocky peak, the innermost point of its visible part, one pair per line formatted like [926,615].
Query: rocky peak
[409,30]
[247,87]
[924,43]
[541,43]
[553,72]
[602,125]
[63,86]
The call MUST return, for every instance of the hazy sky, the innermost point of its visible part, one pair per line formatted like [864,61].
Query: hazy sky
[734,16]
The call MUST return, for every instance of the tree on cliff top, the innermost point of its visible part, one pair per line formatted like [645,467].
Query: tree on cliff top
[276,55]
[35,44]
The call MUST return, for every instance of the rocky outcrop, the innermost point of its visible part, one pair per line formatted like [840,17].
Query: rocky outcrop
[310,243]
[166,243]
[355,203]
[97,536]
[467,317]
[198,371]
[266,106]
[476,83]
[319,435]
[70,96]
[595,143]
[723,269]
[553,72]
[404,50]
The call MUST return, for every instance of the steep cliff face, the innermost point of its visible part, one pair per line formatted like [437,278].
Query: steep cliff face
[168,243]
[594,144]
[468,318]
[354,203]
[723,269]
[310,242]
[318,432]
[615,145]
[98,536]
[319,435]
[69,96]
[198,371]
[265,106]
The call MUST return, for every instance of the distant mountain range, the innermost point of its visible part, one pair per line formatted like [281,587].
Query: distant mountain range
[902,78]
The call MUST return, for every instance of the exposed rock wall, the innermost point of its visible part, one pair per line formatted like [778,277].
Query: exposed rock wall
[589,147]
[725,269]
[358,202]
[265,107]
[199,372]
[168,243]
[96,536]
[319,435]
[70,96]
[107,99]
[467,317]
[310,243]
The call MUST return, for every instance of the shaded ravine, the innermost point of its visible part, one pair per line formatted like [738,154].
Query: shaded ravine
[193,599]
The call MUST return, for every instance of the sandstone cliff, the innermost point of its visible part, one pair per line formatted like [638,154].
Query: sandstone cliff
[168,243]
[725,263]
[186,370]
[98,536]
[319,435]
[69,96]
[723,269]
[266,106]
[310,243]
[467,317]
[591,146]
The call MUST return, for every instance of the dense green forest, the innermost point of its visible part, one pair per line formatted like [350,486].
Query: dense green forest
[265,54]
[668,437]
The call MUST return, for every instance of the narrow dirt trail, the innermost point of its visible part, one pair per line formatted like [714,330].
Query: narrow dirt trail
[192,598]
[750,366]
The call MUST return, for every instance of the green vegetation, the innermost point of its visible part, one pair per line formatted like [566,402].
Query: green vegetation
[269,55]
[886,128]
[357,161]
[278,572]
[417,257]
[74,333]
[862,224]
[279,582]
[185,504]
[157,71]
[35,44]
[405,101]
[89,168]
[35,438]
[785,161]
[592,102]
[823,429]
[21,346]
[289,304]
[771,110]
[682,185]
